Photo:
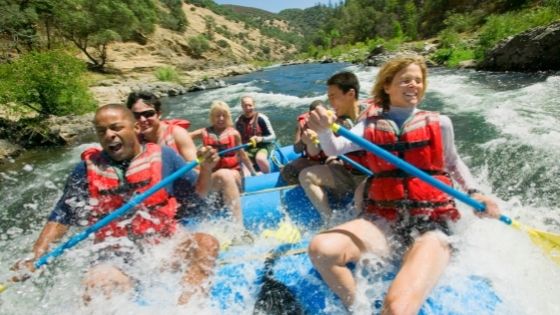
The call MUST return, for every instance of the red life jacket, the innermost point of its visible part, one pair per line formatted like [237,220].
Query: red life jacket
[107,192]
[371,109]
[248,128]
[170,124]
[420,144]
[225,140]
[302,122]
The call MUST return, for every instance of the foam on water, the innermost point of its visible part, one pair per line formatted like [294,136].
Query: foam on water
[517,160]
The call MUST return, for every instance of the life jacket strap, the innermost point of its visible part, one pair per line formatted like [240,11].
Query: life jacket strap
[402,146]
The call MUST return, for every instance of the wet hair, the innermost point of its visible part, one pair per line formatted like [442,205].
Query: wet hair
[345,81]
[387,74]
[316,103]
[116,107]
[147,98]
[220,106]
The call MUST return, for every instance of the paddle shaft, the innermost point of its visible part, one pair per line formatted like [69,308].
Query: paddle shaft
[123,209]
[412,170]
[355,165]
[59,250]
[239,147]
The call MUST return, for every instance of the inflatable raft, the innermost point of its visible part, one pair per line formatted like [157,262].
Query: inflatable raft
[243,271]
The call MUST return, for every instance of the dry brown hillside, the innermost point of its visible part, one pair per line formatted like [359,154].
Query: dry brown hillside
[169,48]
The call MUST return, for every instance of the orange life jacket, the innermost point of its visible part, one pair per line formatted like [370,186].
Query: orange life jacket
[419,143]
[370,109]
[109,190]
[249,128]
[170,124]
[225,140]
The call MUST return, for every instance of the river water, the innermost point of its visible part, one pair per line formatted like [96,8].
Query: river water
[507,129]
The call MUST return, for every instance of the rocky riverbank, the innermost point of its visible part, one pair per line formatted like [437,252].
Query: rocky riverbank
[115,90]
[18,133]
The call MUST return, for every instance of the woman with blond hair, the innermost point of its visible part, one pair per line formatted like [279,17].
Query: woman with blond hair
[227,175]
[402,216]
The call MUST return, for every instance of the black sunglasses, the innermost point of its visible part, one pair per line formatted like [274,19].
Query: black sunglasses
[146,114]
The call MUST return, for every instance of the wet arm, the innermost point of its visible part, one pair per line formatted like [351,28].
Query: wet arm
[333,145]
[197,134]
[457,169]
[299,146]
[185,144]
[52,232]
[243,157]
[268,132]
[311,141]
[209,158]
[70,209]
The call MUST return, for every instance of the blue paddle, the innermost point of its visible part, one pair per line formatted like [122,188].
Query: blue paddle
[549,242]
[411,169]
[125,208]
[356,165]
[74,240]
[77,238]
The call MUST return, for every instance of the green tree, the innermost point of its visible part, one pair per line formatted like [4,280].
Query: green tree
[47,82]
[93,24]
[175,19]
[18,20]
[410,19]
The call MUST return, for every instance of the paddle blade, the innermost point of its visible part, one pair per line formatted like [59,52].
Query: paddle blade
[286,233]
[548,242]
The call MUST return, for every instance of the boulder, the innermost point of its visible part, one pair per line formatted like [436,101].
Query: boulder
[8,150]
[537,49]
[207,84]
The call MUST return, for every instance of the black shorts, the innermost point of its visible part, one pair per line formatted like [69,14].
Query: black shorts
[402,232]
[409,228]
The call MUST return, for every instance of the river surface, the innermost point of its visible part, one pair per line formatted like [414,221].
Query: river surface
[507,130]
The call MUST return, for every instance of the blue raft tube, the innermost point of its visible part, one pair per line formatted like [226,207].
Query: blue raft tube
[265,203]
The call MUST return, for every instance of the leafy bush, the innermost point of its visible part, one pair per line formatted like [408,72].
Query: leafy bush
[47,82]
[453,56]
[463,22]
[448,38]
[498,27]
[167,74]
[223,43]
[458,55]
[442,55]
[198,45]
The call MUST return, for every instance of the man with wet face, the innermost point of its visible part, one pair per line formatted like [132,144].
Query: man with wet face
[105,179]
[255,127]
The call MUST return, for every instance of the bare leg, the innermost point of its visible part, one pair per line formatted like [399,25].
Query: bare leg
[200,252]
[107,279]
[291,171]
[262,161]
[227,182]
[422,267]
[332,250]
[312,180]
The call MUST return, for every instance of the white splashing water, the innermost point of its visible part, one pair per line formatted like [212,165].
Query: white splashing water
[526,280]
